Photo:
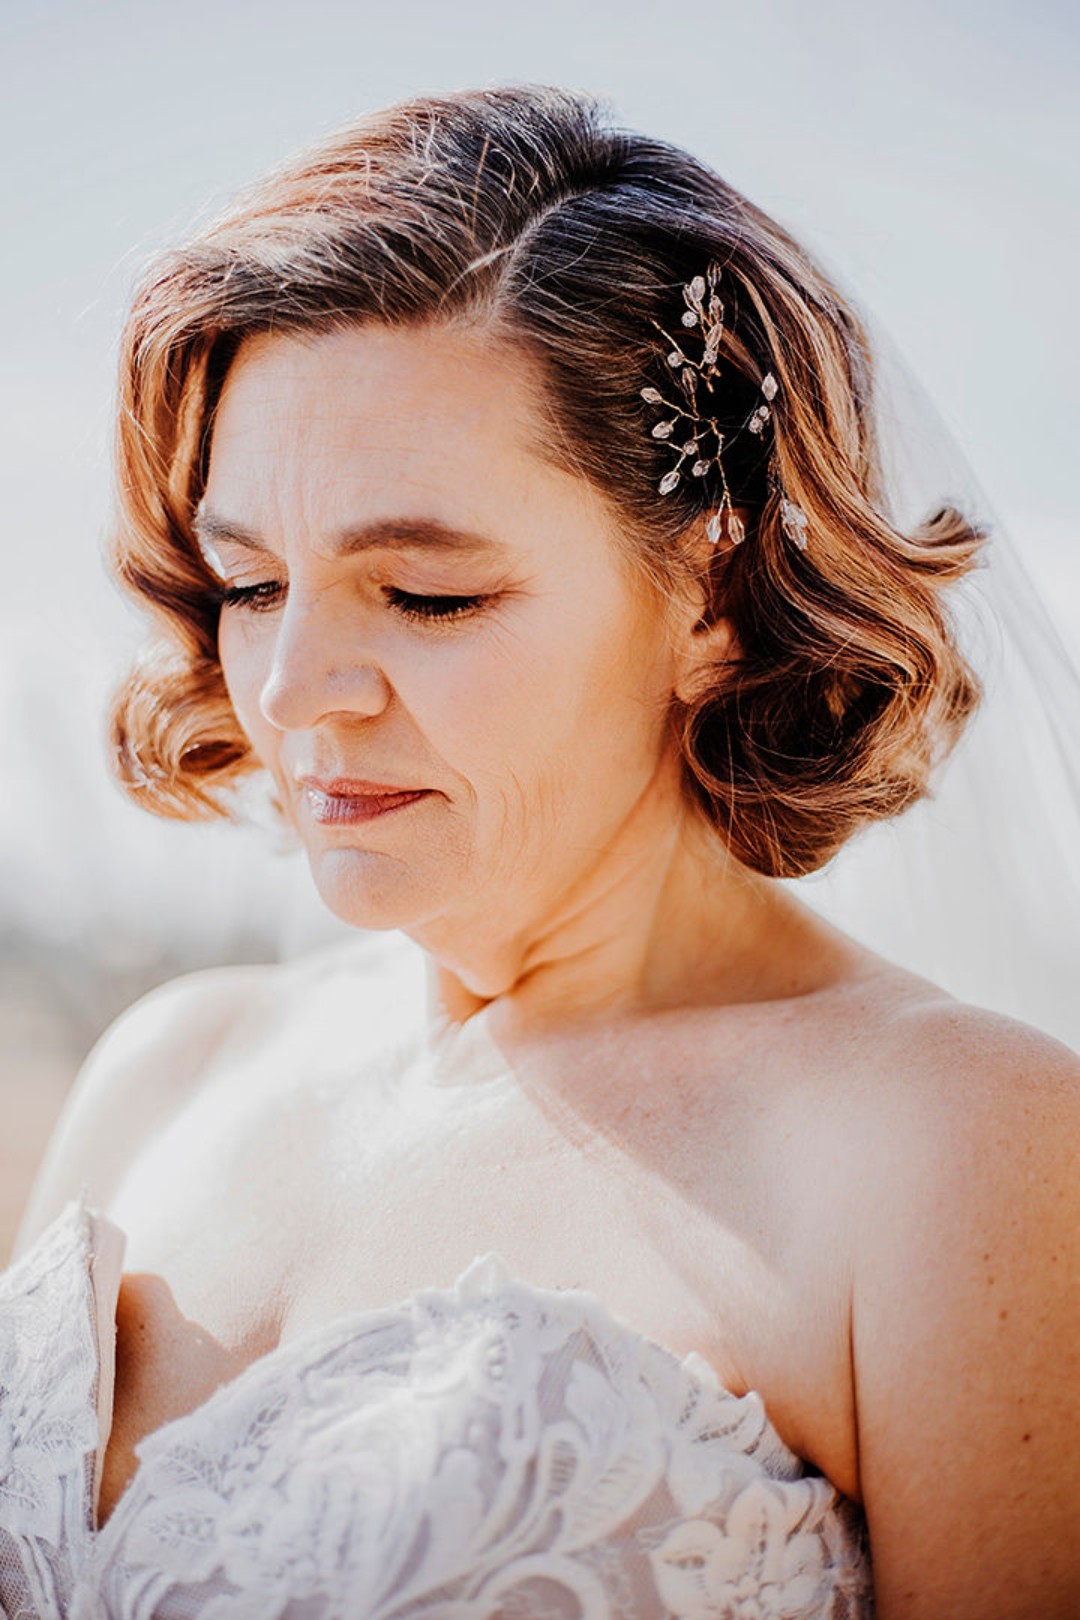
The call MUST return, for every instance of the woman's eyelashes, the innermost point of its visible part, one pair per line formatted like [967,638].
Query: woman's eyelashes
[265,596]
[432,607]
[257,598]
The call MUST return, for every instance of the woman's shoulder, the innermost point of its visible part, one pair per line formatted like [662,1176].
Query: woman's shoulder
[971,1113]
[924,1100]
[928,1051]
[151,1059]
[139,1069]
[909,1038]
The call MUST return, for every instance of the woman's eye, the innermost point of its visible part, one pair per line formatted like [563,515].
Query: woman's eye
[260,598]
[256,597]
[432,607]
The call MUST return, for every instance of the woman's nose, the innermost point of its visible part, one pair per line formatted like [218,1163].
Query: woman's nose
[321,664]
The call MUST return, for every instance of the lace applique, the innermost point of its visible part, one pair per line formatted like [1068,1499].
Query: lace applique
[490,1451]
[48,1415]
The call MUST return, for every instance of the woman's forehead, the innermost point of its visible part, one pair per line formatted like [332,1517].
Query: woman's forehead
[435,388]
[350,430]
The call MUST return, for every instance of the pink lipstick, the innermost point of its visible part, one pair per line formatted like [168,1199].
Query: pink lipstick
[345,800]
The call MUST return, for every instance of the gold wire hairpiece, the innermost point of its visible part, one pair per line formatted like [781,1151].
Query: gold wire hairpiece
[706,320]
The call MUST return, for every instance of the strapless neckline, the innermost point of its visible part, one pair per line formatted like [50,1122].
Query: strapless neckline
[427,1457]
[487,1273]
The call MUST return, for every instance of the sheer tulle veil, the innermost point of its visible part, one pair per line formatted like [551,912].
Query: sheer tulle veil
[978,885]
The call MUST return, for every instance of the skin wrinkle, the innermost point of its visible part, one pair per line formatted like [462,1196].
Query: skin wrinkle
[557,865]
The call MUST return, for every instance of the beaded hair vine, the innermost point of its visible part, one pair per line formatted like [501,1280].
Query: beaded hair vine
[705,319]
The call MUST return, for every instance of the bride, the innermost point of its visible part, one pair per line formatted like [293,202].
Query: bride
[604,1232]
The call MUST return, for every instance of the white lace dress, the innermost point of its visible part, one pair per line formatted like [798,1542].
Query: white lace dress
[487,1451]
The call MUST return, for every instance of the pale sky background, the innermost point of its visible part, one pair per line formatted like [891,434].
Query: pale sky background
[928,152]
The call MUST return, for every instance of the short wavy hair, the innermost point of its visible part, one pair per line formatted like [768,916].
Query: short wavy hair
[527,210]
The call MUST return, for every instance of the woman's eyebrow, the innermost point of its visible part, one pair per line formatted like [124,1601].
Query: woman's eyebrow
[399,533]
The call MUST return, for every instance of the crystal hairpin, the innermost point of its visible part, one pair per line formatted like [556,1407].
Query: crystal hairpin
[704,316]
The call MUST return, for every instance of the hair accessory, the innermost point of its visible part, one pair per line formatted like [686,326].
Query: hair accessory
[706,320]
[793,519]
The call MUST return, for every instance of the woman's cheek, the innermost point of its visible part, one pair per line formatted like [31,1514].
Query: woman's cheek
[241,672]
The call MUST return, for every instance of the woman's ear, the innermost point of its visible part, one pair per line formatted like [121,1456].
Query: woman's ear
[704,639]
[705,647]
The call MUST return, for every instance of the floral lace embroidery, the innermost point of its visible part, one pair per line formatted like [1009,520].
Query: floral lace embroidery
[490,1451]
[48,1416]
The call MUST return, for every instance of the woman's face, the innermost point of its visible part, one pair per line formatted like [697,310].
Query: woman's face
[431,607]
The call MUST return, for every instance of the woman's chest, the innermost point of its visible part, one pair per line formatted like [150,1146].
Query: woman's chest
[268,1207]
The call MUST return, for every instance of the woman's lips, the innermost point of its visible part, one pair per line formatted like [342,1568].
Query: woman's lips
[327,807]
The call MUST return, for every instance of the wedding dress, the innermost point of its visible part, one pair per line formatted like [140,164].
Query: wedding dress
[489,1450]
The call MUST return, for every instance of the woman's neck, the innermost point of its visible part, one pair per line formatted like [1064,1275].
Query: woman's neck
[663,917]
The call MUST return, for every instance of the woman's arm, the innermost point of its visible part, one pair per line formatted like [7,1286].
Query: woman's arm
[966,1323]
[137,1072]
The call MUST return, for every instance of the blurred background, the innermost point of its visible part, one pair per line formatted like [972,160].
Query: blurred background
[927,153]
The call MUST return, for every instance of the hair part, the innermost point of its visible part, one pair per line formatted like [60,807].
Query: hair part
[526,212]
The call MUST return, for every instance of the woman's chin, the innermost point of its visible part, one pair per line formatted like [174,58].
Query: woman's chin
[368,889]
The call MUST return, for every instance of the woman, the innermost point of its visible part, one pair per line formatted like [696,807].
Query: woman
[603,1234]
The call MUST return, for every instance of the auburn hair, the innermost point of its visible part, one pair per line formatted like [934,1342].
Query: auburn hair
[528,211]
